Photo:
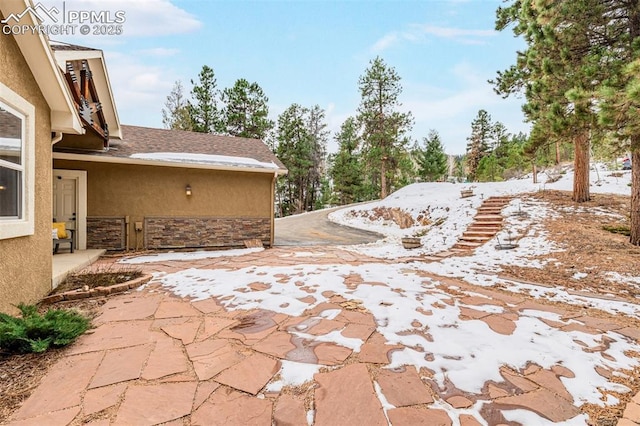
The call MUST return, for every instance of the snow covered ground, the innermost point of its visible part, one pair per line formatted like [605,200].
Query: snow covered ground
[468,353]
[444,204]
[451,214]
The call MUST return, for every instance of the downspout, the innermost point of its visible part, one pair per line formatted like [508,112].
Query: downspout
[57,137]
[273,203]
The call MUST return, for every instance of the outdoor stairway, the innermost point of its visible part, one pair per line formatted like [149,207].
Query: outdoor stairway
[486,224]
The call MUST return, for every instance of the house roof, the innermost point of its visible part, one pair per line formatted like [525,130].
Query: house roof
[60,46]
[179,148]
[34,46]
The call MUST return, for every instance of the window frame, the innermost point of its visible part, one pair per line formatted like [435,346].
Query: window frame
[11,227]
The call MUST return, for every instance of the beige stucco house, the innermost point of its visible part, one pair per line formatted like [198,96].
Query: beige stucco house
[64,155]
[159,189]
[35,106]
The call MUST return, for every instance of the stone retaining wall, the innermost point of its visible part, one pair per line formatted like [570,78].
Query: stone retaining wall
[192,232]
[106,232]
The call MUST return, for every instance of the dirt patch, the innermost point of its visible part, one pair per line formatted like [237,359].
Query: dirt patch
[107,277]
[591,256]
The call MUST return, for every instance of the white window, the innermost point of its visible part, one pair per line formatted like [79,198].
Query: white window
[17,162]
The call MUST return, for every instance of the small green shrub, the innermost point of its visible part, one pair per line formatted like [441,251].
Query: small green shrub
[36,333]
[618,229]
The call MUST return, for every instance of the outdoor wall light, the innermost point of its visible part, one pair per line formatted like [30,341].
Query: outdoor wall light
[187,190]
[2,187]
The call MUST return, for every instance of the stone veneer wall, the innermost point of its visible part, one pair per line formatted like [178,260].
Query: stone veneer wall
[176,232]
[106,232]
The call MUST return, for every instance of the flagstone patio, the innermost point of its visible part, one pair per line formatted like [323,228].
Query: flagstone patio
[156,358]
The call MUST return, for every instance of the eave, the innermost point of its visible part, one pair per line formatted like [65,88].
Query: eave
[140,162]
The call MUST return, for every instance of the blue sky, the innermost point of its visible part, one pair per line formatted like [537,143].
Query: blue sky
[312,52]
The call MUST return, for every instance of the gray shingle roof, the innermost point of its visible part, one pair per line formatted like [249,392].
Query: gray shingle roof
[60,46]
[145,140]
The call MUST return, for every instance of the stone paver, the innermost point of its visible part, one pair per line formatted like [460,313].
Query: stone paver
[251,374]
[228,407]
[289,411]
[186,331]
[376,350]
[459,402]
[353,384]
[62,417]
[542,402]
[205,389]
[115,335]
[102,398]
[402,388]
[154,358]
[63,387]
[127,308]
[153,404]
[166,359]
[210,357]
[213,325]
[409,416]
[121,365]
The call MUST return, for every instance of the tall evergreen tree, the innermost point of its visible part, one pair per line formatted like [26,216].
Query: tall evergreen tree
[620,93]
[384,127]
[175,114]
[479,142]
[346,171]
[559,72]
[301,146]
[203,108]
[433,162]
[245,112]
[319,135]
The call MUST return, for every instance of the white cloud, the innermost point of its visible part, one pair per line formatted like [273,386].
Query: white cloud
[461,35]
[142,17]
[450,111]
[418,33]
[139,89]
[385,42]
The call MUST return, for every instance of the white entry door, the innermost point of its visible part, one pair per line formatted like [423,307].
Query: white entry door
[64,201]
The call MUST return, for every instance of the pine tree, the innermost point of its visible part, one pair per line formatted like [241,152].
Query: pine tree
[203,108]
[384,127]
[319,135]
[479,142]
[245,112]
[175,114]
[433,160]
[301,146]
[346,171]
[620,94]
[559,72]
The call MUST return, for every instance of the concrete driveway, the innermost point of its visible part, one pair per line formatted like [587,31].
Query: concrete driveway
[315,229]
